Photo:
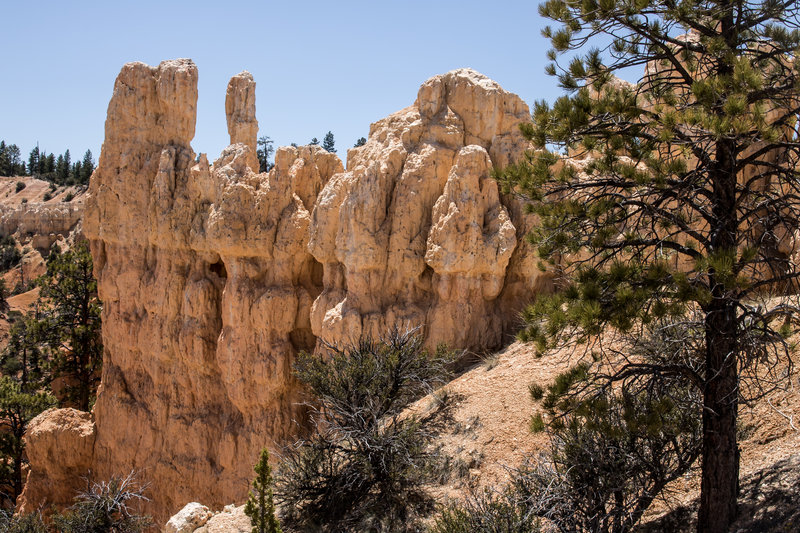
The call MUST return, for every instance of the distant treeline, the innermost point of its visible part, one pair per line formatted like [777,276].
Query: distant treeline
[60,170]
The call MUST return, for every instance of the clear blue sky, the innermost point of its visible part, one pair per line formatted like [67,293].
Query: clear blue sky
[318,66]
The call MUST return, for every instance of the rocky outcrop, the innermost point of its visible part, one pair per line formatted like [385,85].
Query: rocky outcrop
[196,518]
[213,277]
[190,518]
[415,233]
[230,520]
[37,219]
[60,445]
[240,111]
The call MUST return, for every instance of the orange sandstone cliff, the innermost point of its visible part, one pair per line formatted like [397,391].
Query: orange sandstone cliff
[213,276]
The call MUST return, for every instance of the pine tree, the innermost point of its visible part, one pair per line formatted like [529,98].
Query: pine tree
[264,152]
[17,408]
[71,323]
[63,164]
[23,358]
[363,466]
[328,143]
[5,163]
[687,182]
[16,165]
[75,173]
[260,507]
[60,169]
[50,164]
[33,162]
[314,141]
[87,167]
[68,165]
[360,142]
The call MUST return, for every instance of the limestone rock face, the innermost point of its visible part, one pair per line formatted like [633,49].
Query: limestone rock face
[60,446]
[415,232]
[206,287]
[213,277]
[40,219]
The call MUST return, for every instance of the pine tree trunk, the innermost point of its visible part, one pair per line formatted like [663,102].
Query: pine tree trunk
[720,459]
[720,477]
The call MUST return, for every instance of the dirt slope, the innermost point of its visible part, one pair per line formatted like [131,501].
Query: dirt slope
[490,433]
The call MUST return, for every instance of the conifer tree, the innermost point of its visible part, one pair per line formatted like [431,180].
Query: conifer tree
[33,162]
[63,164]
[687,190]
[264,153]
[260,507]
[314,141]
[23,358]
[360,142]
[17,408]
[60,168]
[15,156]
[75,173]
[10,162]
[87,167]
[5,164]
[71,322]
[328,143]
[68,165]
[50,164]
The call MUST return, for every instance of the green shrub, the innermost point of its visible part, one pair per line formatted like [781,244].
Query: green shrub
[363,467]
[69,197]
[487,512]
[536,424]
[29,523]
[20,186]
[47,197]
[10,257]
[536,391]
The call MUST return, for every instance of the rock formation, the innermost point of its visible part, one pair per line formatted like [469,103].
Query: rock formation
[414,232]
[240,110]
[40,219]
[213,277]
[190,518]
[59,444]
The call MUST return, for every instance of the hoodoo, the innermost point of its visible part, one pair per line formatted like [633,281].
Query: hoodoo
[213,276]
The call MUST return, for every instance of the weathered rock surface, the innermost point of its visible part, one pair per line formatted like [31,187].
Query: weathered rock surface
[192,516]
[213,277]
[414,233]
[60,446]
[230,520]
[40,219]
[240,112]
